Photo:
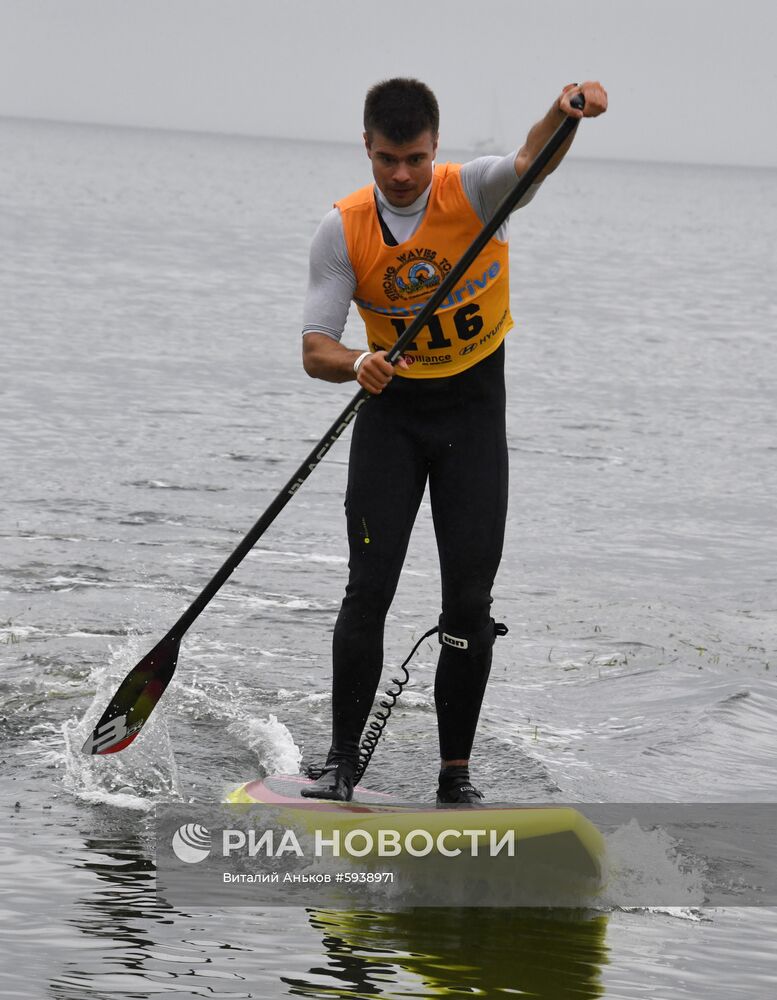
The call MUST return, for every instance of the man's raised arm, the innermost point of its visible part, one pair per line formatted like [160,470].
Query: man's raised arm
[595,104]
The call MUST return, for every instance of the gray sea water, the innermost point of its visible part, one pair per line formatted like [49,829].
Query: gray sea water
[153,403]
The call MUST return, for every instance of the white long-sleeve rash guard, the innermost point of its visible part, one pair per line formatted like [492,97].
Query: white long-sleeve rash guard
[332,282]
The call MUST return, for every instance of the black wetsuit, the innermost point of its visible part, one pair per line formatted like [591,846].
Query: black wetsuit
[450,432]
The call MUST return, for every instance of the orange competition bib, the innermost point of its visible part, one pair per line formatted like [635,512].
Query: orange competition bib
[394,283]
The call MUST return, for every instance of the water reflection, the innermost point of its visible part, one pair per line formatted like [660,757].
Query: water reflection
[119,913]
[139,945]
[444,952]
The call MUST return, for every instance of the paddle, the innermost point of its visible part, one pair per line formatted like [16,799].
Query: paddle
[144,685]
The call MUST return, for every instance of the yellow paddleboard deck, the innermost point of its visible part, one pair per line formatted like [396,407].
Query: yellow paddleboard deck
[552,838]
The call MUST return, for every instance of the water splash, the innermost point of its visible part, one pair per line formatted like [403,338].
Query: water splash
[142,774]
[644,869]
[271,741]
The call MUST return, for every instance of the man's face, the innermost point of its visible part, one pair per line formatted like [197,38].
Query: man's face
[404,171]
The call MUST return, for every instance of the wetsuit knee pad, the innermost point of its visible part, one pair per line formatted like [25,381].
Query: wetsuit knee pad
[471,644]
[460,683]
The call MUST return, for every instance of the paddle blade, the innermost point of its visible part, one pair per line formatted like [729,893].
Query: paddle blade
[135,699]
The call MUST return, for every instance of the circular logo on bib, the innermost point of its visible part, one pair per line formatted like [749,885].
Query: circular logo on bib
[417,279]
[416,274]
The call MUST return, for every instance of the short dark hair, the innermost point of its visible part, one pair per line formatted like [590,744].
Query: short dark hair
[401,109]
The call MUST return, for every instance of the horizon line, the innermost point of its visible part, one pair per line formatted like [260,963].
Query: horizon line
[346,142]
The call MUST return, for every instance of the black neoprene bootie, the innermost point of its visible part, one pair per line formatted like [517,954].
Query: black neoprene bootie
[455,788]
[335,782]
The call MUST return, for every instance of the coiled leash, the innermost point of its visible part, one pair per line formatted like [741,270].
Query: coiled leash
[380,716]
[379,719]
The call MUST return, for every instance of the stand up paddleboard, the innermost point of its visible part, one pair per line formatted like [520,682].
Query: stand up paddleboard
[556,839]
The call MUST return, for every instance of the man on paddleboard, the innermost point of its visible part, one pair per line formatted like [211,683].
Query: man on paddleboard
[437,416]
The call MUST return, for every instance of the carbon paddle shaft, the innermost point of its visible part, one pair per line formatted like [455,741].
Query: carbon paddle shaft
[144,685]
[457,272]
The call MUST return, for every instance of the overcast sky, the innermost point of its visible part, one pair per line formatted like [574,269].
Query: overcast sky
[689,80]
